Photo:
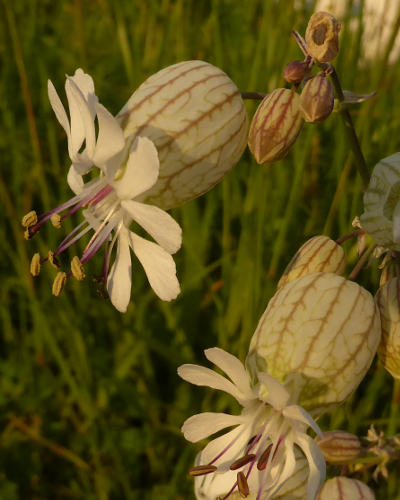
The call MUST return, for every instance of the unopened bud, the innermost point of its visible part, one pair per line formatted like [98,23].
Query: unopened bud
[317,99]
[275,126]
[344,488]
[59,283]
[339,447]
[295,71]
[35,265]
[388,301]
[318,254]
[322,36]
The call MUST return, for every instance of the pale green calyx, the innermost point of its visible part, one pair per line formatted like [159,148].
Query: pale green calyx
[344,488]
[195,116]
[381,217]
[318,337]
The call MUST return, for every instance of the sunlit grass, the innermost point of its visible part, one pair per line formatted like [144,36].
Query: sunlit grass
[91,405]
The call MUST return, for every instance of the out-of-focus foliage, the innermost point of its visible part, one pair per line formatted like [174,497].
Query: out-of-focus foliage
[90,402]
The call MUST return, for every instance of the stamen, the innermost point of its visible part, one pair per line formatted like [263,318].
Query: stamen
[55,219]
[28,234]
[30,219]
[59,283]
[53,260]
[35,265]
[201,470]
[243,486]
[77,269]
[263,460]
[240,462]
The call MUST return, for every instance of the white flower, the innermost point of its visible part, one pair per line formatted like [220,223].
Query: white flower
[127,167]
[261,448]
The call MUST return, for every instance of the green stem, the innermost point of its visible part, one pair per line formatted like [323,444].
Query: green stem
[349,126]
[394,420]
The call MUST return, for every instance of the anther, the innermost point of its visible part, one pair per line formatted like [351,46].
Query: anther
[28,234]
[53,259]
[243,486]
[240,462]
[262,461]
[77,269]
[201,470]
[35,265]
[56,220]
[58,283]
[30,219]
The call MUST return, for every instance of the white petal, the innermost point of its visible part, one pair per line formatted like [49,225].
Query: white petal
[85,84]
[230,446]
[158,265]
[141,172]
[200,375]
[396,223]
[284,464]
[75,180]
[110,139]
[82,125]
[232,367]
[119,280]
[316,464]
[277,396]
[58,108]
[204,424]
[160,225]
[298,413]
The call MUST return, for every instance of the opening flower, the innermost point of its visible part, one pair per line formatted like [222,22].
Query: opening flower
[127,167]
[268,433]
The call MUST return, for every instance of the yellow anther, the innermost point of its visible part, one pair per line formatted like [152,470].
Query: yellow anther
[53,259]
[59,283]
[77,269]
[27,234]
[56,220]
[35,265]
[30,219]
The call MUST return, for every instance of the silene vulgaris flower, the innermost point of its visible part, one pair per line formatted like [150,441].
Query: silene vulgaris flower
[262,450]
[110,202]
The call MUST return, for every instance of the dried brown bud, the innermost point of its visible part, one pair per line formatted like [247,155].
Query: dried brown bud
[275,126]
[344,488]
[388,301]
[317,99]
[322,36]
[318,254]
[295,71]
[339,447]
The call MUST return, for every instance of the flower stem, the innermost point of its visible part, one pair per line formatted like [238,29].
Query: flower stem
[349,126]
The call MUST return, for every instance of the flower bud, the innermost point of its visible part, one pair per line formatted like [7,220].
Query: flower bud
[322,36]
[195,116]
[382,203]
[295,71]
[388,300]
[317,99]
[339,447]
[318,254]
[275,126]
[318,336]
[344,488]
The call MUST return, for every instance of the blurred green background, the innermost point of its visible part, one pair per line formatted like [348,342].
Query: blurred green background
[90,402]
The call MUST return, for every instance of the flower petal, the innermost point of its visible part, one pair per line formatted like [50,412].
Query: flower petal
[224,449]
[202,376]
[110,139]
[75,180]
[120,278]
[58,108]
[141,172]
[277,395]
[160,225]
[316,464]
[233,367]
[85,84]
[158,265]
[298,413]
[204,424]
[82,123]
